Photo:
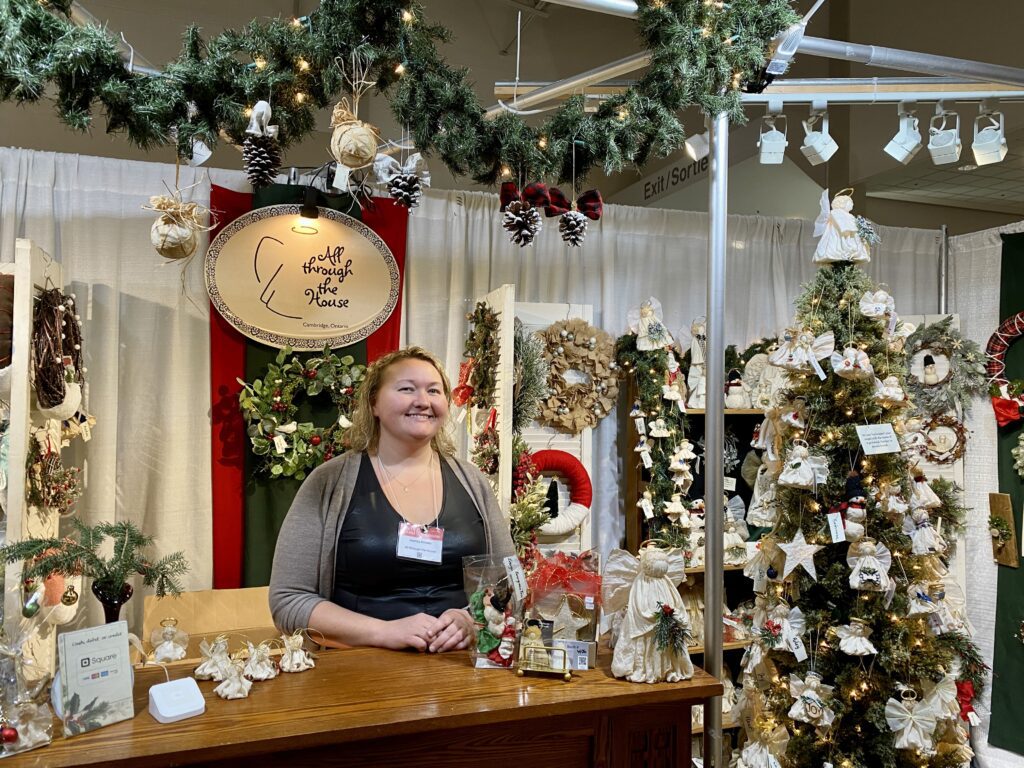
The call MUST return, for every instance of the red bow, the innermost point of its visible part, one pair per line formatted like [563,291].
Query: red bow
[589,204]
[965,695]
[1007,410]
[535,194]
[464,391]
[572,574]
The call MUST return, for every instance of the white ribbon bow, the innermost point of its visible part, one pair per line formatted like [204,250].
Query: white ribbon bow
[913,723]
[386,168]
[763,752]
[259,120]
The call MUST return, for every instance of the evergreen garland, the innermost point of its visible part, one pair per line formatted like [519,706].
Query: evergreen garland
[482,348]
[531,377]
[702,53]
[670,633]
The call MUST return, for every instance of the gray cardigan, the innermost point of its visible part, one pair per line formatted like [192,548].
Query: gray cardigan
[304,560]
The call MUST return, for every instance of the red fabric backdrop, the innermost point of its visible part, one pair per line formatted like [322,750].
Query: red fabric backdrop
[227,363]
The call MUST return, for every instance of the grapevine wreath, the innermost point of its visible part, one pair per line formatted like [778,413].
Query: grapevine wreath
[576,346]
[289,448]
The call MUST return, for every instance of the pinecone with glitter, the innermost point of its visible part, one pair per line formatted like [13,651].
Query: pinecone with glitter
[573,227]
[262,157]
[522,222]
[405,189]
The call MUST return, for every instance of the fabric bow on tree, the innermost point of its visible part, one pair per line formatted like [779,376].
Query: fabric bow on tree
[913,722]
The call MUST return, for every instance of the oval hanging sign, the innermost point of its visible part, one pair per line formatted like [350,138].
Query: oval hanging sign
[301,283]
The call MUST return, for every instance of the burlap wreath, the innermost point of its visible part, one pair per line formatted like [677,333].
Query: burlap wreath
[574,345]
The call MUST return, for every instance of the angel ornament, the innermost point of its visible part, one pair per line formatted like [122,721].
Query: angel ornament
[853,638]
[658,428]
[259,665]
[912,721]
[696,380]
[216,661]
[877,305]
[734,542]
[295,658]
[925,539]
[802,469]
[802,350]
[762,511]
[169,642]
[889,393]
[853,364]
[839,232]
[921,494]
[646,322]
[870,562]
[765,750]
[796,416]
[673,509]
[771,380]
[810,694]
[645,587]
[920,601]
[235,685]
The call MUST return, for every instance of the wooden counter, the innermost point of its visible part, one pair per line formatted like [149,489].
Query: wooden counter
[370,707]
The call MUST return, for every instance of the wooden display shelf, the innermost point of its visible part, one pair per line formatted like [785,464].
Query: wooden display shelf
[701,569]
[730,411]
[726,726]
[698,650]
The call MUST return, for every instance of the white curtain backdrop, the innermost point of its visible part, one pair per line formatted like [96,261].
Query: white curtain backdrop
[974,275]
[146,344]
[457,252]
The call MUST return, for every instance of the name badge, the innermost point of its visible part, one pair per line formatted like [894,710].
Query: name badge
[420,543]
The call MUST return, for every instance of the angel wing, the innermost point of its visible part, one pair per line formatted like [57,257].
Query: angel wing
[884,556]
[736,511]
[942,699]
[619,574]
[822,220]
[824,345]
[797,622]
[676,567]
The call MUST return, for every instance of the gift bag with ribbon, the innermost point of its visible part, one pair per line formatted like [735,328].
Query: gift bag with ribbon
[565,589]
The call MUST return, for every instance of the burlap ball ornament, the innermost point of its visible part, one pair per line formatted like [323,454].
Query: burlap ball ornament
[353,142]
[173,240]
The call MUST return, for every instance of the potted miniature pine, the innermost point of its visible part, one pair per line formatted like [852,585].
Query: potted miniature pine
[78,554]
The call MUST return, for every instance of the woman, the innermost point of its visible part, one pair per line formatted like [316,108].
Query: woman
[358,557]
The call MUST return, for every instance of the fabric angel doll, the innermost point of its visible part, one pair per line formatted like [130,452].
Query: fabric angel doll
[737,393]
[696,376]
[674,392]
[646,586]
[646,322]
[659,428]
[837,227]
[877,305]
[852,364]
[259,665]
[802,470]
[734,543]
[920,601]
[810,694]
[216,661]
[925,539]
[898,337]
[295,658]
[235,684]
[853,638]
[763,512]
[888,392]
[673,509]
[170,643]
[801,351]
[921,494]
[893,504]
[766,750]
[796,415]
[912,721]
[636,411]
[870,562]
[771,381]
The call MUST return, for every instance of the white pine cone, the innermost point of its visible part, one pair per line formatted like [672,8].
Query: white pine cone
[522,221]
[573,227]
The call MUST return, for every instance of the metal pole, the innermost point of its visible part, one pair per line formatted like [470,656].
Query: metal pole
[714,428]
[944,270]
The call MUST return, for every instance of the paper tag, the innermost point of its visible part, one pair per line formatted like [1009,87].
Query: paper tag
[577,653]
[826,765]
[877,438]
[893,319]
[86,431]
[280,444]
[972,718]
[890,593]
[760,580]
[648,508]
[419,542]
[729,483]
[588,602]
[796,645]
[641,425]
[341,174]
[835,527]
[645,457]
[682,406]
[516,576]
[820,473]
[772,762]
[462,415]
[817,368]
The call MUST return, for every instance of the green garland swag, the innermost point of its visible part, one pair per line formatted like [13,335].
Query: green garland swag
[289,448]
[702,54]
[482,351]
[966,379]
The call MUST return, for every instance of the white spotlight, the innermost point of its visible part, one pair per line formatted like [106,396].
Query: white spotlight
[944,136]
[989,142]
[772,142]
[907,141]
[698,145]
[818,146]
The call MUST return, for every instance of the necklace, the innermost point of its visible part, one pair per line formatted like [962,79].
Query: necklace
[404,486]
[433,491]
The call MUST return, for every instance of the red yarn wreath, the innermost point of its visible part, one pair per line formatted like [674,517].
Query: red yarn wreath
[1008,409]
[581,492]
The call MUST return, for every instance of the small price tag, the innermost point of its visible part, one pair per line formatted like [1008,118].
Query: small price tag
[641,425]
[516,576]
[796,645]
[341,178]
[893,319]
[86,432]
[972,718]
[729,483]
[420,543]
[817,368]
[280,444]
[826,765]
[877,439]
[772,762]
[820,473]
[645,457]
[835,527]
[648,508]
[588,602]
[462,415]
[760,580]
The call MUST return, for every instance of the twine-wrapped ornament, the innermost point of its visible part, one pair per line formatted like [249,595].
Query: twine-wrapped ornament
[260,150]
[175,233]
[353,142]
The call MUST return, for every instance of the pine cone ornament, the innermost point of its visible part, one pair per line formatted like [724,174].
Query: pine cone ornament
[573,228]
[262,157]
[406,190]
[522,222]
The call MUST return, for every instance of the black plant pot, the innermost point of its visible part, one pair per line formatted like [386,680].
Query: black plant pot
[112,597]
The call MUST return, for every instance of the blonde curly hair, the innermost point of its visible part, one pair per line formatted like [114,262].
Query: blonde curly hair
[364,434]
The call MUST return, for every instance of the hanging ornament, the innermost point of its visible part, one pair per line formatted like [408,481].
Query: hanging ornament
[870,562]
[572,222]
[70,596]
[853,638]
[405,183]
[521,217]
[353,142]
[261,151]
[175,233]
[810,706]
[799,553]
[911,720]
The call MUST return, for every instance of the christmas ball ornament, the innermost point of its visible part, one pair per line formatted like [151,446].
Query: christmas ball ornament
[405,190]
[771,573]
[33,604]
[522,222]
[315,440]
[262,158]
[572,226]
[173,240]
[70,596]
[353,142]
[9,734]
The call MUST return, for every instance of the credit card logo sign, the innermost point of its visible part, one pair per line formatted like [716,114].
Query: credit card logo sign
[85,662]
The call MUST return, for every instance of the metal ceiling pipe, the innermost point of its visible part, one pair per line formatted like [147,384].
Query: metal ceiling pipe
[623,8]
[568,85]
[81,17]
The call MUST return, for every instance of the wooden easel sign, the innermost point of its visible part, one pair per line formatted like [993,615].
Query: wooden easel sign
[1004,537]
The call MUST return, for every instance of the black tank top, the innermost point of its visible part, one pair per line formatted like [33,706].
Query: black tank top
[370,579]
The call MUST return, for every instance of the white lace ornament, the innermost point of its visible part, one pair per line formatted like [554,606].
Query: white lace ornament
[216,661]
[870,562]
[295,658]
[810,694]
[853,638]
[852,364]
[802,469]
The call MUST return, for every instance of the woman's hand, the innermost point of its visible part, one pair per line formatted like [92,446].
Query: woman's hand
[417,631]
[456,629]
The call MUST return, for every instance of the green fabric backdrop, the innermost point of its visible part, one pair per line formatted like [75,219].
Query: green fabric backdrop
[267,501]
[1007,726]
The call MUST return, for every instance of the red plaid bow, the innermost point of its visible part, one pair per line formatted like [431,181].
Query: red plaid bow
[589,204]
[535,194]
[1007,410]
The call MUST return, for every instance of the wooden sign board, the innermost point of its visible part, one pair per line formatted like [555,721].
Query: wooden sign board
[1001,506]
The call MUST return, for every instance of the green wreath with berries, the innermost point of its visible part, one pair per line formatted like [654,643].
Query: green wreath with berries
[269,404]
